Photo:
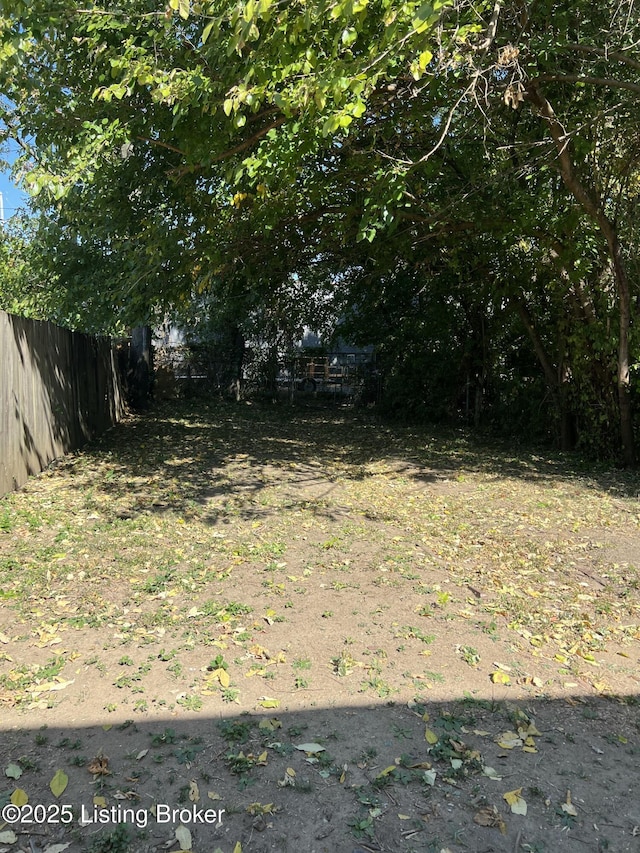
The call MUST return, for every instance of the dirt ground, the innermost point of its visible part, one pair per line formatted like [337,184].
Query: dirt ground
[255,628]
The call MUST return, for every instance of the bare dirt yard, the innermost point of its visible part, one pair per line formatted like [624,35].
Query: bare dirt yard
[260,628]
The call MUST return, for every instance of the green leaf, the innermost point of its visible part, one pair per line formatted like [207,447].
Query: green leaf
[19,797]
[59,783]
[349,35]
[207,31]
[184,9]
[425,17]
[424,59]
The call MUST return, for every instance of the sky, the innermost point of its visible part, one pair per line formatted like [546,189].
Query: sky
[12,196]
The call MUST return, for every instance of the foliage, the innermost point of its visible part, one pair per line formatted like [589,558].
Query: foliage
[470,168]
[22,290]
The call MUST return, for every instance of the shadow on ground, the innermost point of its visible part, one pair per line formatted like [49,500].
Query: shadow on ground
[221,458]
[429,777]
[452,651]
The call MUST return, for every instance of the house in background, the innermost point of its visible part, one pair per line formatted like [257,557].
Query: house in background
[335,368]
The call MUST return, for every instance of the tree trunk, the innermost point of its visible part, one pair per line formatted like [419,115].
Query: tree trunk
[555,382]
[592,206]
[140,371]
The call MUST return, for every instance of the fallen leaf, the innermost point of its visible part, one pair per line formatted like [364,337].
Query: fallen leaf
[500,677]
[50,686]
[59,783]
[255,809]
[57,848]
[99,766]
[8,837]
[509,740]
[386,771]
[420,765]
[13,771]
[100,801]
[430,737]
[516,802]
[568,807]
[19,797]
[490,816]
[183,837]
[270,725]
[491,773]
[289,778]
[194,792]
[141,754]
[266,702]
[310,748]
[429,776]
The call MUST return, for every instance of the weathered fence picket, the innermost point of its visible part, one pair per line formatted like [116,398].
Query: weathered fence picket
[58,389]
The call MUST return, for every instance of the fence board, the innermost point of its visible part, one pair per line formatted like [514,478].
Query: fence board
[58,389]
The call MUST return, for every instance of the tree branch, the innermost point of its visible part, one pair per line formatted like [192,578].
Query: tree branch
[491,29]
[161,144]
[247,143]
[601,51]
[606,82]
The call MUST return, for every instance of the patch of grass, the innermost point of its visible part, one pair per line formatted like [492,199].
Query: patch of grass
[344,664]
[114,841]
[408,631]
[168,736]
[379,686]
[235,731]
[230,694]
[158,582]
[68,743]
[468,654]
[25,677]
[190,702]
[175,669]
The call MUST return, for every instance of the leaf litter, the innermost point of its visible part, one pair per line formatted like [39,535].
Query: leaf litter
[207,544]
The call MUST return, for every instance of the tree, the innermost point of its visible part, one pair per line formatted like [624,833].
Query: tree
[191,148]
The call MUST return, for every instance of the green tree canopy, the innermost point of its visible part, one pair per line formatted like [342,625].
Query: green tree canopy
[476,155]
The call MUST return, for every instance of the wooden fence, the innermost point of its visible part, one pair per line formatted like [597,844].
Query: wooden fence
[57,390]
